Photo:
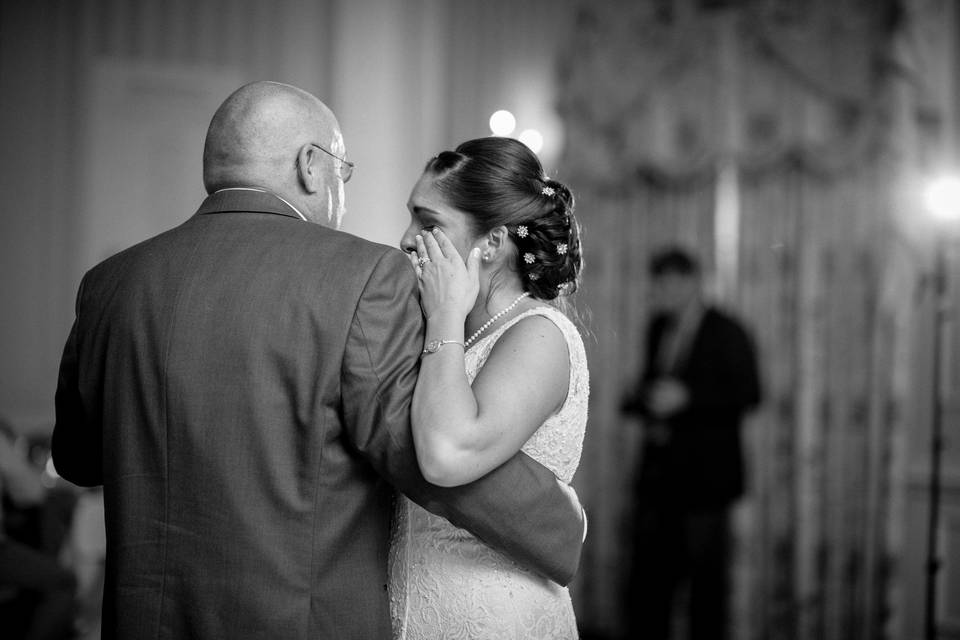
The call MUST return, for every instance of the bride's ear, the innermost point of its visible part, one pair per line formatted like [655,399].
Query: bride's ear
[495,242]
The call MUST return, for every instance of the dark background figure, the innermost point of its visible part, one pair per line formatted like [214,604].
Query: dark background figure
[699,379]
[37,593]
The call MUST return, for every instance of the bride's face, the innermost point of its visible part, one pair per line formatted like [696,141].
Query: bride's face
[429,209]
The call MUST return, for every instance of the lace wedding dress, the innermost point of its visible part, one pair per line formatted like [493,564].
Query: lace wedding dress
[444,582]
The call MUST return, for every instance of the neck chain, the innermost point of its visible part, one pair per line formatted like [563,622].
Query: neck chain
[486,325]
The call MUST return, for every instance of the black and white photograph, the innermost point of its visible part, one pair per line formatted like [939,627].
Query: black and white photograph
[480,320]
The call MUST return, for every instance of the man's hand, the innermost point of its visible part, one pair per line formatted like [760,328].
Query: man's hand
[666,397]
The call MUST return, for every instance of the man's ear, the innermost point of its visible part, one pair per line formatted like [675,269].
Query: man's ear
[308,169]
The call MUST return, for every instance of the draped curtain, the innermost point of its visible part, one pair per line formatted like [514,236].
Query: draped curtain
[761,135]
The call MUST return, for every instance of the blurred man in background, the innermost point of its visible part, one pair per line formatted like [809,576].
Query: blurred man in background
[699,379]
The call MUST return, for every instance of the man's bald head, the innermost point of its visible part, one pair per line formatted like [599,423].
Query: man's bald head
[256,136]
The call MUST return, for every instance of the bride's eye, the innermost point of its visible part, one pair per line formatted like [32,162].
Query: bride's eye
[428,228]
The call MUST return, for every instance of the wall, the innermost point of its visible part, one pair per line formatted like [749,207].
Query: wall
[104,104]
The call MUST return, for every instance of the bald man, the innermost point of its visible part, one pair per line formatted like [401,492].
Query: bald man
[240,386]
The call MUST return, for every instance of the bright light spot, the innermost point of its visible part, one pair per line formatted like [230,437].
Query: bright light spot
[533,139]
[50,469]
[502,123]
[942,197]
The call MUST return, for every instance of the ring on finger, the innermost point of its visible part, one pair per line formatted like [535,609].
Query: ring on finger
[423,261]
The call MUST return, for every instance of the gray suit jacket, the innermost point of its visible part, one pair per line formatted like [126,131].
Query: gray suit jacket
[240,385]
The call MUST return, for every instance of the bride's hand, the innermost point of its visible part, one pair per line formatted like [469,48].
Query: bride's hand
[448,287]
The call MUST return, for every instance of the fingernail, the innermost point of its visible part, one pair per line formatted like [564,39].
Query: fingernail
[436,231]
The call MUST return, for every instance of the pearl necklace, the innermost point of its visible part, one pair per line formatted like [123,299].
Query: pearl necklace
[486,325]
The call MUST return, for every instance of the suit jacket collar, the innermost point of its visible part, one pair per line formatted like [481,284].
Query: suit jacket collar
[246,200]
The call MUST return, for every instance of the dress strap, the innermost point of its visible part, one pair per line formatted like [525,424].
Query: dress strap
[555,315]
[571,336]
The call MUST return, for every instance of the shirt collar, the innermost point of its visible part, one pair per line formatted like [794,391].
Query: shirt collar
[259,190]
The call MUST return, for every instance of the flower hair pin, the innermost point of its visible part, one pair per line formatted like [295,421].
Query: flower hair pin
[529,258]
[533,276]
[548,191]
[562,248]
[522,231]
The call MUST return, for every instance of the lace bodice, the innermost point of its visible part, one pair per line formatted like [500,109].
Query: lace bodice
[557,444]
[444,582]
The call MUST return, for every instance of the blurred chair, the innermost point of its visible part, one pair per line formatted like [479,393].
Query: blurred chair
[37,593]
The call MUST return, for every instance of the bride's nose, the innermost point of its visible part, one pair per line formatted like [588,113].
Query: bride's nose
[408,241]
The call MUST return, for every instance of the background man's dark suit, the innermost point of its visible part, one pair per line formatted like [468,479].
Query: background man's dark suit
[237,384]
[691,475]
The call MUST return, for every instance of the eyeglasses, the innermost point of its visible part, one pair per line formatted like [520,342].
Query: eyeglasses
[346,167]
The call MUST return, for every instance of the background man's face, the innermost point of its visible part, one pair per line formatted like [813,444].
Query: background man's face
[672,292]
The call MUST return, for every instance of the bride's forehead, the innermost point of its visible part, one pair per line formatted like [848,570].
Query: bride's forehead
[426,186]
[425,194]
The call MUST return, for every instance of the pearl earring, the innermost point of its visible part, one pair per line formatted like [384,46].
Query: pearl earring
[486,257]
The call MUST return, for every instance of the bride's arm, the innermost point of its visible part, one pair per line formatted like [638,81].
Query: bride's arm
[461,432]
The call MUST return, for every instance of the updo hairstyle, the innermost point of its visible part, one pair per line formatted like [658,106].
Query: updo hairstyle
[499,181]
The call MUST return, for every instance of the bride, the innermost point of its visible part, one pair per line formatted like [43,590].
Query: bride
[493,242]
